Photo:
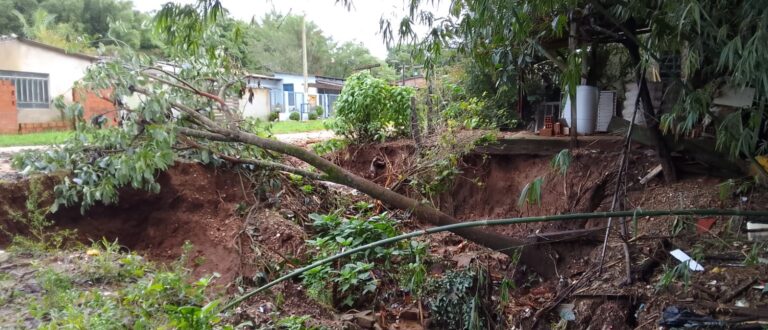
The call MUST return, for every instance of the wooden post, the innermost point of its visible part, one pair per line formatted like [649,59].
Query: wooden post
[415,132]
[430,108]
[572,44]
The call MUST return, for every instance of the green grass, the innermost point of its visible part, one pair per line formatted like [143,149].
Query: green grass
[290,126]
[48,138]
[33,139]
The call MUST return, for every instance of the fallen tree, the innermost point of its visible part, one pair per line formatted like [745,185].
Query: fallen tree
[178,108]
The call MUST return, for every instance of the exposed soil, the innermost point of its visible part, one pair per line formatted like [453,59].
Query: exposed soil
[489,187]
[249,239]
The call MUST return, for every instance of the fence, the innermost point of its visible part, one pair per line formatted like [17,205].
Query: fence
[286,102]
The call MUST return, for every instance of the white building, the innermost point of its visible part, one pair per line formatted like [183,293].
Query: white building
[284,93]
[40,73]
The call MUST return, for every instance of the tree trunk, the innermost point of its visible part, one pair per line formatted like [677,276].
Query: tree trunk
[650,117]
[334,173]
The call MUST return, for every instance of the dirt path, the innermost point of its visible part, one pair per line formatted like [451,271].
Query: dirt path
[303,139]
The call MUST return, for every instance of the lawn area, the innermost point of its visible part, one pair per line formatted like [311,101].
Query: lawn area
[47,138]
[290,126]
[33,139]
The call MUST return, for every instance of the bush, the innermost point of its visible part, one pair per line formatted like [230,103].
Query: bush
[319,111]
[370,109]
[294,116]
[312,116]
[273,116]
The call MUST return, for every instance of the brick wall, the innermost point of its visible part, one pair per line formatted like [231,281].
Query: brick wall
[94,104]
[9,122]
[44,127]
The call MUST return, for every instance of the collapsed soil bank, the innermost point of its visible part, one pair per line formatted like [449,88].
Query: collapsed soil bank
[195,204]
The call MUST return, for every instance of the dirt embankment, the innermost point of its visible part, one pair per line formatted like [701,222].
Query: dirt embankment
[245,238]
[489,187]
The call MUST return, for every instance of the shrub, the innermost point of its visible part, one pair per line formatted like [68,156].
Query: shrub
[370,109]
[273,116]
[312,116]
[294,116]
[319,111]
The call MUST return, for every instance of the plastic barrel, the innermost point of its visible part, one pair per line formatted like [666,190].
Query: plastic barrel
[586,109]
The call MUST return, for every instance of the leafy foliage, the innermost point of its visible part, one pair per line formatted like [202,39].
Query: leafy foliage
[354,281]
[295,116]
[531,193]
[561,162]
[35,218]
[145,296]
[458,300]
[369,109]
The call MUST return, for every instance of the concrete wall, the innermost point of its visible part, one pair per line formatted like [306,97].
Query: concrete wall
[63,70]
[258,107]
[297,81]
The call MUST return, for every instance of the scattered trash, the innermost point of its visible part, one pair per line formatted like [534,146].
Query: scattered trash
[757,231]
[639,310]
[566,312]
[92,252]
[4,256]
[674,316]
[742,303]
[685,258]
[653,173]
[703,225]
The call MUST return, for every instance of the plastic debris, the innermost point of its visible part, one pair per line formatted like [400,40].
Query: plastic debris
[92,252]
[566,312]
[757,231]
[685,258]
[674,316]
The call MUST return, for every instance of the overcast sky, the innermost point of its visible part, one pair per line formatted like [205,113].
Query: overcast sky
[361,23]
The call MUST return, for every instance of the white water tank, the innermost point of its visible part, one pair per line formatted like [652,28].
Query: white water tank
[586,109]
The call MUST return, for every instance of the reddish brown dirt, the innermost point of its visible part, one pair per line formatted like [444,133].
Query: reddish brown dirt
[603,301]
[195,204]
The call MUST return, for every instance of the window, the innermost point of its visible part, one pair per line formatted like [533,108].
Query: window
[31,88]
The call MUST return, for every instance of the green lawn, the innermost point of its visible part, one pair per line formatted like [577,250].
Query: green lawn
[33,139]
[47,138]
[290,126]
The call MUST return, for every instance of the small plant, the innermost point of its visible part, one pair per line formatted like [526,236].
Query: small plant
[312,116]
[353,281]
[319,111]
[531,193]
[329,146]
[457,300]
[35,218]
[295,322]
[561,162]
[295,116]
[274,116]
[681,272]
[752,257]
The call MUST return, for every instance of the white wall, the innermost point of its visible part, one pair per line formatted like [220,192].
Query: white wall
[64,70]
[259,107]
[297,81]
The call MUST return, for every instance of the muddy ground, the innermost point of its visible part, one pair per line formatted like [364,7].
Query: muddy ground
[242,226]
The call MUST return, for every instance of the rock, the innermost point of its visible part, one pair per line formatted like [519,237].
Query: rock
[365,319]
[409,314]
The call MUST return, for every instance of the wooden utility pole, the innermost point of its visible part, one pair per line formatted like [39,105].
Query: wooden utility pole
[304,55]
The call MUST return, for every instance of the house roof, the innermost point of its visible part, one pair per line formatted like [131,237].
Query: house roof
[261,76]
[49,47]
